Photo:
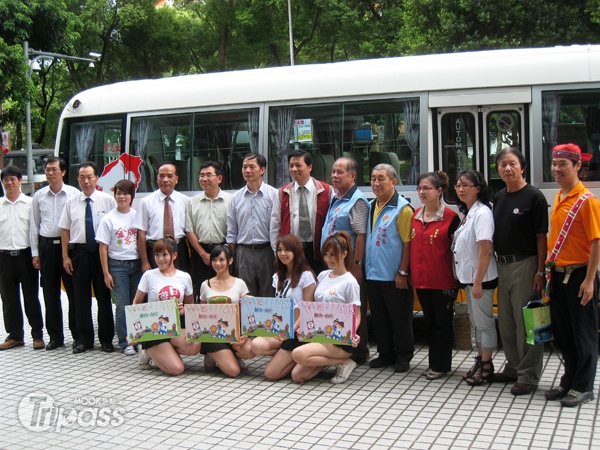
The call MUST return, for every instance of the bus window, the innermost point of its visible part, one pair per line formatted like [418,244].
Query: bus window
[371,133]
[572,116]
[225,137]
[503,130]
[458,137]
[158,139]
[98,141]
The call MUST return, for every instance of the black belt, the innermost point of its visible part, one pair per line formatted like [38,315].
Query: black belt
[51,240]
[74,246]
[151,242]
[255,246]
[507,259]
[209,247]
[306,244]
[15,252]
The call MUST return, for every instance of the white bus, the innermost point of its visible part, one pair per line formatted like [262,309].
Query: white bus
[419,113]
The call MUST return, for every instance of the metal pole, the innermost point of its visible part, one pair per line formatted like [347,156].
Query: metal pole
[28,146]
[291,33]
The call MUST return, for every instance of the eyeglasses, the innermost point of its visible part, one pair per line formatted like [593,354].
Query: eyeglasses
[207,175]
[463,186]
[425,188]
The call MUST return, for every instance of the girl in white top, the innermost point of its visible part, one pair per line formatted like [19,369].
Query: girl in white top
[160,284]
[294,279]
[119,256]
[336,285]
[475,267]
[225,288]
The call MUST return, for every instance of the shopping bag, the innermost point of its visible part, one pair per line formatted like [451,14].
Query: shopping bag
[537,322]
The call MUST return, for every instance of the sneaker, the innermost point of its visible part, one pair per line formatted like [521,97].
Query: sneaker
[209,363]
[556,393]
[144,360]
[342,372]
[129,351]
[576,398]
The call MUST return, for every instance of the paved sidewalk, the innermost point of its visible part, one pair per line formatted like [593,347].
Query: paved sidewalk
[113,404]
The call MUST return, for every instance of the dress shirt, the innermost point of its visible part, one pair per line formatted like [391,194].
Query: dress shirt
[150,215]
[249,215]
[46,210]
[73,216]
[14,222]
[207,218]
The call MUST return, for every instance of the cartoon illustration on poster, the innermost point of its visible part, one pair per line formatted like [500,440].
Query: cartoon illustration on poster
[212,323]
[268,317]
[152,321]
[327,323]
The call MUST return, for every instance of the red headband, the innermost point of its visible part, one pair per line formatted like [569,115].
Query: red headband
[570,151]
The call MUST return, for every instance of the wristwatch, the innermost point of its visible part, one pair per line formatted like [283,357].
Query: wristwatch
[540,274]
[402,273]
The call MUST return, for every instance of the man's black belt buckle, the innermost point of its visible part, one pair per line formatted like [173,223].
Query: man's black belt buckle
[507,259]
[306,244]
[12,252]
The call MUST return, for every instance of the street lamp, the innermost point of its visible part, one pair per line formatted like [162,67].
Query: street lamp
[31,57]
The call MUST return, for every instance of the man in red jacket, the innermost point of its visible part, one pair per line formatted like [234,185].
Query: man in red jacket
[301,208]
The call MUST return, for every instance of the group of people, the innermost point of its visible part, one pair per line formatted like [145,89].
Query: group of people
[324,243]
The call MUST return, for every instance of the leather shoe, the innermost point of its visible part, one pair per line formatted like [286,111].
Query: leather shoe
[39,344]
[107,347]
[53,345]
[522,388]
[79,348]
[11,343]
[380,362]
[75,343]
[401,366]
[501,377]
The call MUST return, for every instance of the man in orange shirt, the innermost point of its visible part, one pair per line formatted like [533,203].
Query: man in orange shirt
[574,282]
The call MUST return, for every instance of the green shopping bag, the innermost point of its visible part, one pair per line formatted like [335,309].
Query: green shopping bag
[538,325]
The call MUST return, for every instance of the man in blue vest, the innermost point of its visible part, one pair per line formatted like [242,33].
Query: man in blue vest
[386,265]
[349,211]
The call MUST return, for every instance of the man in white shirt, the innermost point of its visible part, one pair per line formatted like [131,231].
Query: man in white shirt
[44,234]
[150,219]
[16,267]
[81,258]
[206,223]
[248,227]
[304,217]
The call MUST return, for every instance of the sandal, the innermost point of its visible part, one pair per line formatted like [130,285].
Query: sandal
[474,368]
[484,373]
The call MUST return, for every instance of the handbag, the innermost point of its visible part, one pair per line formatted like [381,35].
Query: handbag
[536,315]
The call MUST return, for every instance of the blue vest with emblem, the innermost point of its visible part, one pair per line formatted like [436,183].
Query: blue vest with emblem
[384,246]
[338,216]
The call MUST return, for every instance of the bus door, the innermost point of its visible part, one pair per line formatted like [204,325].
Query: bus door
[469,138]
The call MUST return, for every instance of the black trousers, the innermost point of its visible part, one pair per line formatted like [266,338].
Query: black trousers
[87,272]
[438,312]
[575,330]
[52,274]
[200,273]
[15,271]
[317,266]
[183,255]
[392,313]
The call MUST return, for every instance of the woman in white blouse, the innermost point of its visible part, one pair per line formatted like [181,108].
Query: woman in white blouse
[475,268]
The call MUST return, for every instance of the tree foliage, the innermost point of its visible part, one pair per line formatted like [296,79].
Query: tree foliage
[139,40]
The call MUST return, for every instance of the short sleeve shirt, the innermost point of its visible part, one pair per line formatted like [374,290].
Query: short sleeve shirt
[232,295]
[342,289]
[161,288]
[295,293]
